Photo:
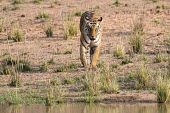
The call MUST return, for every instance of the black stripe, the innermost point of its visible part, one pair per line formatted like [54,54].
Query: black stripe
[97,40]
[83,44]
[86,41]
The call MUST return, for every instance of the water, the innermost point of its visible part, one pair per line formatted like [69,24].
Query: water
[88,108]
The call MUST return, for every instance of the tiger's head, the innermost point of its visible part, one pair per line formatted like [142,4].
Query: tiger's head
[92,26]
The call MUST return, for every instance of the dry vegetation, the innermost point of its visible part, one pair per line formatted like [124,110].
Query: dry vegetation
[39,52]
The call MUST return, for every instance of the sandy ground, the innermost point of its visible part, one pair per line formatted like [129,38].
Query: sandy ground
[116,24]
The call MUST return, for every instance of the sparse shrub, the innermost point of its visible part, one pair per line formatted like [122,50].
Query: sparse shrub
[143,58]
[97,7]
[49,31]
[55,82]
[15,8]
[161,7]
[159,58]
[138,26]
[100,65]
[72,65]
[154,0]
[136,43]
[37,1]
[163,90]
[68,17]
[117,3]
[126,61]
[70,30]
[50,96]
[68,80]
[61,69]
[78,13]
[23,66]
[68,52]
[9,65]
[59,95]
[167,41]
[90,99]
[119,51]
[6,8]
[6,70]
[16,35]
[51,61]
[114,66]
[57,53]
[17,2]
[57,3]
[1,26]
[15,80]
[156,22]
[42,15]
[109,81]
[142,76]
[44,67]
[91,83]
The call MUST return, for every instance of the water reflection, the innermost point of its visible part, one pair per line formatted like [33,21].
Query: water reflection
[88,108]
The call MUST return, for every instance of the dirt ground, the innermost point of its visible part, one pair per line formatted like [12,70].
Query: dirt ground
[117,25]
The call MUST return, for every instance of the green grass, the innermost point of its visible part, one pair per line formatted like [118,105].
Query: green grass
[112,66]
[17,2]
[57,53]
[61,69]
[55,82]
[90,99]
[117,3]
[15,8]
[78,14]
[42,15]
[37,1]
[44,67]
[156,22]
[51,61]
[126,61]
[100,65]
[5,8]
[159,58]
[68,80]
[13,98]
[68,52]
[72,65]
[97,7]
[155,0]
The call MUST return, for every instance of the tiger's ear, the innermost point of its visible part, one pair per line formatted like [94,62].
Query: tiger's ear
[100,19]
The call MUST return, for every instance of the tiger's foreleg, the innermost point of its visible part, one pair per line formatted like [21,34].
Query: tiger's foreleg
[83,56]
[94,54]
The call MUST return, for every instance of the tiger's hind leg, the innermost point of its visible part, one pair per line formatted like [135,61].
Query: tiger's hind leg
[83,56]
[94,54]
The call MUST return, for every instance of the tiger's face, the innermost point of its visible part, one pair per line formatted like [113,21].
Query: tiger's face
[92,27]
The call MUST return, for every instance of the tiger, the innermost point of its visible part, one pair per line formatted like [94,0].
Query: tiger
[90,39]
